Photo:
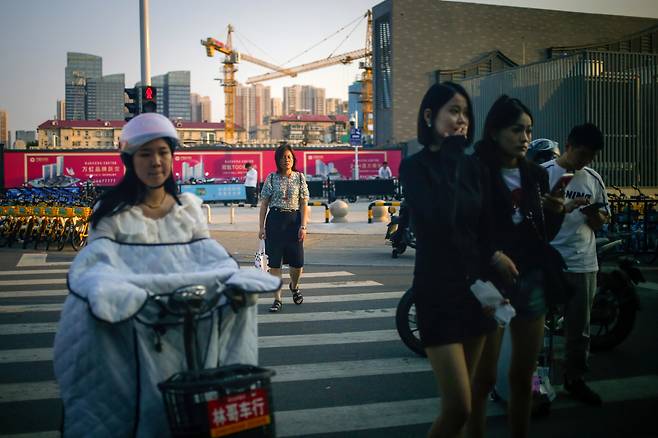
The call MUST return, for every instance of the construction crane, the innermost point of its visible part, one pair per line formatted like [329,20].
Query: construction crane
[345,58]
[233,57]
[230,60]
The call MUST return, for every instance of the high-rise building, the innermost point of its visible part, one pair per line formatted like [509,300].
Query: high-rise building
[4,128]
[195,107]
[177,95]
[61,110]
[200,108]
[242,107]
[206,109]
[292,99]
[319,101]
[334,106]
[276,107]
[105,97]
[80,67]
[259,104]
[354,104]
[304,99]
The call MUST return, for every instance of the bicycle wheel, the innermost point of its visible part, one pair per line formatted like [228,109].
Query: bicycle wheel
[41,234]
[65,235]
[54,233]
[79,235]
[27,233]
[6,226]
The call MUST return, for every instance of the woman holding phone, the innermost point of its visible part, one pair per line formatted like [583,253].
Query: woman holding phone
[526,217]
[448,198]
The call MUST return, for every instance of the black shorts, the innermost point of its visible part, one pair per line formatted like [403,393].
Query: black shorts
[282,243]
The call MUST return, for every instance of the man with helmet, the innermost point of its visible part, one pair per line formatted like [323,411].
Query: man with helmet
[542,150]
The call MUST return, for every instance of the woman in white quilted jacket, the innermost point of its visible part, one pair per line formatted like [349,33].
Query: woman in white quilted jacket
[144,207]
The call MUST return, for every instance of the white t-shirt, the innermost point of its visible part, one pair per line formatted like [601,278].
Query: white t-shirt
[576,240]
[385,173]
[182,224]
[251,180]
[512,178]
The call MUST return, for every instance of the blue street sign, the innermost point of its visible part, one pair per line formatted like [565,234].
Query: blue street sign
[355,137]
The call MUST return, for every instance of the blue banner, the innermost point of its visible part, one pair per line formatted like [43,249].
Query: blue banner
[216,192]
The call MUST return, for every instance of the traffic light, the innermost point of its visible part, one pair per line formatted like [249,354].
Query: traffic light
[149,101]
[133,104]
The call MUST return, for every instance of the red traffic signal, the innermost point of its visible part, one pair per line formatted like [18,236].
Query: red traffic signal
[149,99]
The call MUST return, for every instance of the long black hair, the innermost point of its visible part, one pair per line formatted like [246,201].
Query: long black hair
[129,191]
[278,154]
[503,113]
[435,98]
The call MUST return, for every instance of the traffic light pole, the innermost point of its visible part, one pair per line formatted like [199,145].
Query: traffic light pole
[145,41]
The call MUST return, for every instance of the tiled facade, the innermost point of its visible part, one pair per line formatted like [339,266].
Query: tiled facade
[429,35]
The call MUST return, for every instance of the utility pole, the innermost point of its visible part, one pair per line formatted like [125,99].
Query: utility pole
[145,41]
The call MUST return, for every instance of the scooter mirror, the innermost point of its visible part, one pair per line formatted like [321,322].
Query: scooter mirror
[392,210]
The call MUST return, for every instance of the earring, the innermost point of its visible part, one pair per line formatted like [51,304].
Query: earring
[429,125]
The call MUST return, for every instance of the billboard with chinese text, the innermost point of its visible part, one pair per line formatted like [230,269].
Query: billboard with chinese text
[59,168]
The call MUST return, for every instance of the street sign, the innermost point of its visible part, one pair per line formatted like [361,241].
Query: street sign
[355,137]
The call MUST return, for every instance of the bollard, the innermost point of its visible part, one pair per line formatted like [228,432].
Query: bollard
[321,204]
[381,204]
[339,210]
[207,207]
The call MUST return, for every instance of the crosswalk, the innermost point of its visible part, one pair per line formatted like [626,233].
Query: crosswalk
[340,366]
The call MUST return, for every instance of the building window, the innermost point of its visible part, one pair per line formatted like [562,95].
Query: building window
[383,60]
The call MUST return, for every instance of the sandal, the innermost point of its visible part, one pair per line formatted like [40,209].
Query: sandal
[297,296]
[276,306]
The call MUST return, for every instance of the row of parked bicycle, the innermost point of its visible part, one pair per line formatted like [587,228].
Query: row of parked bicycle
[634,220]
[47,218]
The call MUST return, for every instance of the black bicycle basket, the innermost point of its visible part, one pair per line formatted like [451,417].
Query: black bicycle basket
[233,400]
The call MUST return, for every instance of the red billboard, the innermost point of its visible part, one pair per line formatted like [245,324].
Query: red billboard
[224,165]
[106,169]
[49,169]
[341,163]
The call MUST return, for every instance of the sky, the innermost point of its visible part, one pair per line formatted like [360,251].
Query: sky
[36,34]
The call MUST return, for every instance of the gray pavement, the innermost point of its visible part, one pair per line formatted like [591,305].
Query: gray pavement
[355,243]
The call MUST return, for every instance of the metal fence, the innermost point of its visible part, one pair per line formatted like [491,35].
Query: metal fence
[616,91]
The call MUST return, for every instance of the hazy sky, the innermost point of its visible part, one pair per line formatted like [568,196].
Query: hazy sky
[36,34]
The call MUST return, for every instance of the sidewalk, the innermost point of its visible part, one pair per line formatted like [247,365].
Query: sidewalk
[355,243]
[246,219]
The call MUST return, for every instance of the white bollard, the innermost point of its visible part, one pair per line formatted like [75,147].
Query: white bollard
[207,207]
[232,214]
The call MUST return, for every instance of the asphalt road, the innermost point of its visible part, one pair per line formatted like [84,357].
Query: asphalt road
[341,369]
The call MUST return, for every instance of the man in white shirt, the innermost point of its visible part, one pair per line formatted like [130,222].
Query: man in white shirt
[250,184]
[385,171]
[577,244]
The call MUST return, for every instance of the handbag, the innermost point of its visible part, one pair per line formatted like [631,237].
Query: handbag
[557,290]
[260,259]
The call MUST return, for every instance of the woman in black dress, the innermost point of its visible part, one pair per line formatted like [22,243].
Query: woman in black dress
[448,199]
[526,218]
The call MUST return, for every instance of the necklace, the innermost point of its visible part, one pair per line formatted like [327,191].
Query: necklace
[159,203]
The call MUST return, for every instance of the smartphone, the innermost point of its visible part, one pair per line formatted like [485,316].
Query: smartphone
[592,207]
[562,182]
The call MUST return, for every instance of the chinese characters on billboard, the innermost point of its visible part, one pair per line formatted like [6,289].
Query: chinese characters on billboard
[65,169]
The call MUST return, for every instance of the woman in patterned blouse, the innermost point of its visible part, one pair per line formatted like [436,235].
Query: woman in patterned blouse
[285,193]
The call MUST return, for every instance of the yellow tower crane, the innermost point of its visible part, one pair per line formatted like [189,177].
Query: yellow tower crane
[233,57]
[230,60]
[345,58]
